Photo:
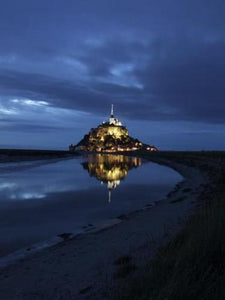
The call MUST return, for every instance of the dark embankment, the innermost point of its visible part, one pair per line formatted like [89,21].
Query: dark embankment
[11,155]
[192,265]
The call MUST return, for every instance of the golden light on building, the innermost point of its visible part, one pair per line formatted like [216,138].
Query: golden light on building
[110,136]
[110,169]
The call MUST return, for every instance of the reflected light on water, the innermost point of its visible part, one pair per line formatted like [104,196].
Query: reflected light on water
[110,169]
[42,199]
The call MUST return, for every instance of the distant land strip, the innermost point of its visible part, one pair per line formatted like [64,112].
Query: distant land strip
[16,155]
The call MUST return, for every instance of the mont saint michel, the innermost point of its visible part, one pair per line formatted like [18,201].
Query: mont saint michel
[110,136]
[132,208]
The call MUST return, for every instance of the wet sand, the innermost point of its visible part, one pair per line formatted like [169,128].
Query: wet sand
[88,266]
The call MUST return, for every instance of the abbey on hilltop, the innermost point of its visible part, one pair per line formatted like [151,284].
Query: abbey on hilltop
[110,136]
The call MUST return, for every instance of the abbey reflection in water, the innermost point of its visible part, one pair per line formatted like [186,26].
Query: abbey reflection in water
[110,169]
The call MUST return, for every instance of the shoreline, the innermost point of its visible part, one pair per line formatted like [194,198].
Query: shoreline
[191,264]
[26,251]
[170,213]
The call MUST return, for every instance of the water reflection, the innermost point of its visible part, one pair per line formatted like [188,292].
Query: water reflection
[110,169]
[42,201]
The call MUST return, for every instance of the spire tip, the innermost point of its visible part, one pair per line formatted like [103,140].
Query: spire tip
[112,110]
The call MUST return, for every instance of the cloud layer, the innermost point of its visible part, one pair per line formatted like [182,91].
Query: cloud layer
[158,62]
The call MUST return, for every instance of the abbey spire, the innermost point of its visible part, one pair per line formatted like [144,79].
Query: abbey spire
[112,119]
[112,114]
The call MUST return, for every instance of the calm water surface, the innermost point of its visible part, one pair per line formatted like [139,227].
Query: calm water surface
[39,200]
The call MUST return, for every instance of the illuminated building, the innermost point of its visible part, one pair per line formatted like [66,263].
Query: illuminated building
[110,136]
[112,120]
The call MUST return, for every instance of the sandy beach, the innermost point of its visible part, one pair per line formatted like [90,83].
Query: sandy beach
[91,266]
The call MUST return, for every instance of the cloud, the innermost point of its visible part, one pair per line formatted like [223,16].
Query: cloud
[155,60]
[181,80]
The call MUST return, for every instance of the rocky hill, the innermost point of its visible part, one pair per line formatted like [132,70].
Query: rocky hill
[110,136]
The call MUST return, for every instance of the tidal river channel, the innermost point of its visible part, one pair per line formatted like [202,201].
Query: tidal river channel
[41,199]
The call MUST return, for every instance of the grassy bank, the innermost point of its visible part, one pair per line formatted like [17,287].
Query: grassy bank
[192,265]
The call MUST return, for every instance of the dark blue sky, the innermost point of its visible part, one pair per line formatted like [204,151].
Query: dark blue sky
[162,64]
